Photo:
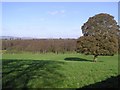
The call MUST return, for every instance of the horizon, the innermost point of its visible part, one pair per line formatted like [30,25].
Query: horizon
[51,19]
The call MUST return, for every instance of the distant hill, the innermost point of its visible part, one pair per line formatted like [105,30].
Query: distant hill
[24,38]
[8,37]
[12,37]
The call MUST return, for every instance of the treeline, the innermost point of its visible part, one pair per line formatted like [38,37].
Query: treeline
[40,45]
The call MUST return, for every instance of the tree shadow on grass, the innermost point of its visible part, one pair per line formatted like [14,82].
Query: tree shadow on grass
[31,74]
[111,82]
[76,59]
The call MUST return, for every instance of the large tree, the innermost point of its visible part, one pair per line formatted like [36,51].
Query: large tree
[100,36]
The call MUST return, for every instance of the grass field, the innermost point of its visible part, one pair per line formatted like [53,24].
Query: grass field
[56,70]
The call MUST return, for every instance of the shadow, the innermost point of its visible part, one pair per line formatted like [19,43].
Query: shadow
[76,59]
[111,82]
[31,73]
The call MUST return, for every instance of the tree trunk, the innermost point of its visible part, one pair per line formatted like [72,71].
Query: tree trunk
[95,58]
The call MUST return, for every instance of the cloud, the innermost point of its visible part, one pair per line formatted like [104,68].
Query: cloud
[56,12]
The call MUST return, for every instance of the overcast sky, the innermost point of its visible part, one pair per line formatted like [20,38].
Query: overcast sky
[50,19]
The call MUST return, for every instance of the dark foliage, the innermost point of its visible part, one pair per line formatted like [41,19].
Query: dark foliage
[100,36]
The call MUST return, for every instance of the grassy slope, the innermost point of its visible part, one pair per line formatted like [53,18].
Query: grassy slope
[52,70]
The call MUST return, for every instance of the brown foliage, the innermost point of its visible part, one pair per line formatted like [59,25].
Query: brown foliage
[40,45]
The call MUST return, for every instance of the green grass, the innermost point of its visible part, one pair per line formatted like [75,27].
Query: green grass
[56,70]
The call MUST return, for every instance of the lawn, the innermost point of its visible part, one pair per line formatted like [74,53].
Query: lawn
[49,70]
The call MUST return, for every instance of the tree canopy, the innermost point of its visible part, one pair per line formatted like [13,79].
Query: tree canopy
[100,36]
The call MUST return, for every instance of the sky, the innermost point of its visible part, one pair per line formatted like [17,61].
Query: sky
[51,19]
